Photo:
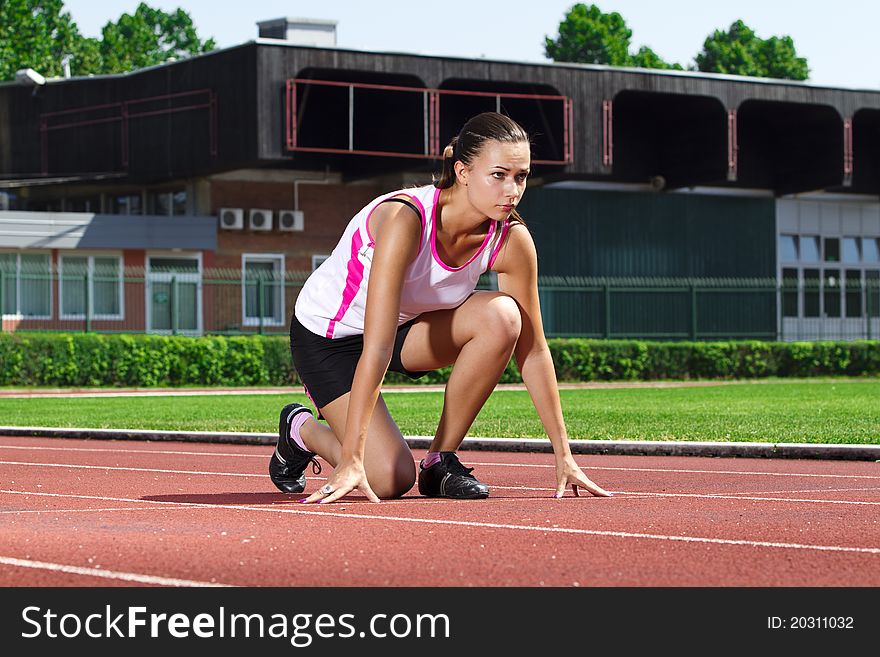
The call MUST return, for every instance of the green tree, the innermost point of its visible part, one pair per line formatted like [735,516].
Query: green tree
[590,36]
[37,34]
[149,37]
[739,51]
[647,58]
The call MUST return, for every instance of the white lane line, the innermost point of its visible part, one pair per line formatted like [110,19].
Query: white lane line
[525,488]
[720,496]
[115,467]
[684,471]
[807,490]
[106,574]
[492,525]
[474,463]
[130,508]
[119,450]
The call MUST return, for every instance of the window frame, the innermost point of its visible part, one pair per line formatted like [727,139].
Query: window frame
[278,260]
[90,267]
[18,315]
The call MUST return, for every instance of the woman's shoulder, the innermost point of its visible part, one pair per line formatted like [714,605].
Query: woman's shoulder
[515,249]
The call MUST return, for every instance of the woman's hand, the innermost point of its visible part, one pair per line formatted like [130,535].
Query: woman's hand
[347,476]
[568,472]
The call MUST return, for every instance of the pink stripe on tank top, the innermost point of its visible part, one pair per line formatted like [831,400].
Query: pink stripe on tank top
[352,282]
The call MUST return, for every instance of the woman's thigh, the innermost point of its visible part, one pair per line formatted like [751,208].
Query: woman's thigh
[387,458]
[437,337]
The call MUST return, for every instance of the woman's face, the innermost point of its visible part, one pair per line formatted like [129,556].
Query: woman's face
[496,179]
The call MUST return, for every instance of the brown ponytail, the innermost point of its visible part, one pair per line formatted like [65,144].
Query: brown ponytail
[447,167]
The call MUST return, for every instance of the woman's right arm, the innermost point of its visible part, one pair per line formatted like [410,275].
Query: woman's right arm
[396,231]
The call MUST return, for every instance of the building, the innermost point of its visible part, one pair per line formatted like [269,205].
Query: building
[664,204]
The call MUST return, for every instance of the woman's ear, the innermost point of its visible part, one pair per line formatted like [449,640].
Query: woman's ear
[461,172]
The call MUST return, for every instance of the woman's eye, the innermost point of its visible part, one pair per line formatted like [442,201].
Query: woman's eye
[498,175]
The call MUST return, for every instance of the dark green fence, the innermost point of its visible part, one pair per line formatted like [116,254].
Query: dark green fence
[230,303]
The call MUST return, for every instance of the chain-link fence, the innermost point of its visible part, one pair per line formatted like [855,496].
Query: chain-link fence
[95,294]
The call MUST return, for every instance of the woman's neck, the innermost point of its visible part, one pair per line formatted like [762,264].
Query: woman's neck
[457,217]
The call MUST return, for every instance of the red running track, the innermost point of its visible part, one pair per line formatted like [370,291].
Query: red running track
[119,513]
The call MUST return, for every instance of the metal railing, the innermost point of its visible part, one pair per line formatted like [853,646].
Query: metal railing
[231,302]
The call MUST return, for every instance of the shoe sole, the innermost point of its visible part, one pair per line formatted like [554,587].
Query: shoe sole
[474,496]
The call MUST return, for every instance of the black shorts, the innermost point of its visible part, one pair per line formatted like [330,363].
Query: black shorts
[326,365]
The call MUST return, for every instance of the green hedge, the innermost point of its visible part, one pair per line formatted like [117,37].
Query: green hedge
[51,359]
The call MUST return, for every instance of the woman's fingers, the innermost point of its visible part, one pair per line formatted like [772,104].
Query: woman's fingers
[594,488]
[579,480]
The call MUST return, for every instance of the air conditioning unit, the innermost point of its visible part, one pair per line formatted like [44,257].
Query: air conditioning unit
[231,218]
[260,219]
[291,220]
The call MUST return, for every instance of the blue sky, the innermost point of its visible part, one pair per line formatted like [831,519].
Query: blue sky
[839,39]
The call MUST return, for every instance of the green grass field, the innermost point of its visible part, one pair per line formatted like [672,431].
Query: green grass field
[827,411]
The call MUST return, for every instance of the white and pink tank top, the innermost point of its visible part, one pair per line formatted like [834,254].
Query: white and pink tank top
[332,302]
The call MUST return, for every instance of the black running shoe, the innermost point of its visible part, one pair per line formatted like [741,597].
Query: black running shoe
[449,478]
[287,467]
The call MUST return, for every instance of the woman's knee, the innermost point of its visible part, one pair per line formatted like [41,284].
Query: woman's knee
[393,479]
[502,320]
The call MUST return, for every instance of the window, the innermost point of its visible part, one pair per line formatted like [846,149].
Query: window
[809,248]
[832,249]
[789,293]
[263,290]
[872,287]
[126,204]
[811,292]
[178,202]
[317,260]
[871,249]
[93,283]
[167,203]
[788,248]
[26,287]
[851,250]
[174,294]
[831,285]
[853,296]
[83,204]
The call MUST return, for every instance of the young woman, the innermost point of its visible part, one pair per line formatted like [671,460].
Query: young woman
[398,293]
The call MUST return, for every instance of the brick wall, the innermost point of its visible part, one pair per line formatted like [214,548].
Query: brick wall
[327,210]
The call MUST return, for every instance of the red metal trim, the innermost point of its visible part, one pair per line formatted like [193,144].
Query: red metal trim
[571,127]
[391,87]
[78,124]
[181,94]
[434,97]
[315,149]
[732,145]
[847,147]
[170,110]
[86,108]
[125,115]
[288,111]
[608,133]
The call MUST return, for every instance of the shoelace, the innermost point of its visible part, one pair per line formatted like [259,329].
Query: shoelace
[316,467]
[454,466]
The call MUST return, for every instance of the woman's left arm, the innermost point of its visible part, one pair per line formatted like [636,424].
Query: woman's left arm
[517,269]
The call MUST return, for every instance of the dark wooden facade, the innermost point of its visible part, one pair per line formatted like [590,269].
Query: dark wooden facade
[230,109]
